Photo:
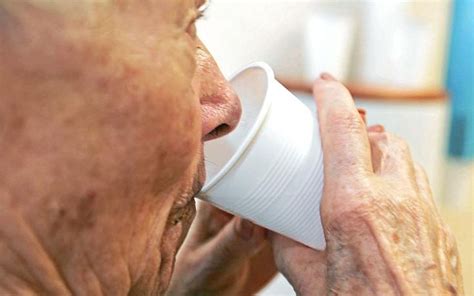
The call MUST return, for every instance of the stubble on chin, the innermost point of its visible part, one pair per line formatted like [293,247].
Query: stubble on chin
[179,220]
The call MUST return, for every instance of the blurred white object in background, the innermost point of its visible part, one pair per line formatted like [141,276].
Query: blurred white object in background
[396,46]
[328,44]
[238,32]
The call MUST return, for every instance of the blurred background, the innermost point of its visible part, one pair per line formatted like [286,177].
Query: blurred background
[410,64]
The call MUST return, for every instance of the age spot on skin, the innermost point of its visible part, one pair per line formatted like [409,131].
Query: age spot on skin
[395,238]
[80,217]
[58,221]
[17,123]
[85,211]
[103,84]
[452,289]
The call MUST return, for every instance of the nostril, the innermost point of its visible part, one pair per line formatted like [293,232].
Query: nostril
[219,131]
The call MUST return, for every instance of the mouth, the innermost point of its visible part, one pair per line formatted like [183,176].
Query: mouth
[200,177]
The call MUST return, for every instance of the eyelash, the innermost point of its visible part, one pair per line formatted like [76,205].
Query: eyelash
[202,10]
[200,14]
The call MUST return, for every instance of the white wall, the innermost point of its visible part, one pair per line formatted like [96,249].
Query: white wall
[241,31]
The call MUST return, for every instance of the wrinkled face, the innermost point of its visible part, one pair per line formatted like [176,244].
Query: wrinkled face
[104,111]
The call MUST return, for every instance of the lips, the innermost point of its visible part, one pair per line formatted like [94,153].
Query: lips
[200,177]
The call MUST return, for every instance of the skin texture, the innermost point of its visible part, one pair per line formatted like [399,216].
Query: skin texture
[104,108]
[384,234]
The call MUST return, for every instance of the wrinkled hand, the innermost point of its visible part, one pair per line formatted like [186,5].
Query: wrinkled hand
[384,234]
[222,255]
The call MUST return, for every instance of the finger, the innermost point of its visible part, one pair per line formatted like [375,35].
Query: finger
[424,189]
[209,221]
[377,128]
[263,270]
[297,262]
[238,240]
[363,114]
[435,233]
[391,158]
[376,151]
[217,220]
[343,132]
[451,270]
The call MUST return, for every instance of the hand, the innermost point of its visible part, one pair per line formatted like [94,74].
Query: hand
[222,255]
[384,234]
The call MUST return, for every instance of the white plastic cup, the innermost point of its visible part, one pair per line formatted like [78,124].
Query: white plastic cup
[270,169]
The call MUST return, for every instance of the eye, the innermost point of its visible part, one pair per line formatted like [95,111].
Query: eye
[202,9]
[200,13]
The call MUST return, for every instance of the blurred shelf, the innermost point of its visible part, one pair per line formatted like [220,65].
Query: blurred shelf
[373,92]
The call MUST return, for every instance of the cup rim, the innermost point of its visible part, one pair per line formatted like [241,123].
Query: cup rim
[255,128]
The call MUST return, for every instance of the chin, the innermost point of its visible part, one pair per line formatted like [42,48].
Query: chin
[172,239]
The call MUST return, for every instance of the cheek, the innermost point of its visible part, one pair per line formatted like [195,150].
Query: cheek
[180,139]
[151,121]
[180,107]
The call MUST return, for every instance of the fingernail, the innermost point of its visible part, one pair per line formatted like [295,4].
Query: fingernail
[377,128]
[327,76]
[246,229]
[363,114]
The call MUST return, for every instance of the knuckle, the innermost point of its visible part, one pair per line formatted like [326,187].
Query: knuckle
[419,169]
[379,139]
[383,137]
[421,175]
[404,147]
[344,121]
[450,247]
[392,145]
[449,235]
[400,143]
[355,207]
[349,218]
[404,195]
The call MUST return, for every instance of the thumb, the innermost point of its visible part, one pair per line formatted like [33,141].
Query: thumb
[238,240]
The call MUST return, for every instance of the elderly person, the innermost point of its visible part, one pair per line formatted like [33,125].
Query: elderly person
[104,108]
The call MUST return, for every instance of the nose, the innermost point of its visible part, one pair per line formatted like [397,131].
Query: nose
[220,105]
